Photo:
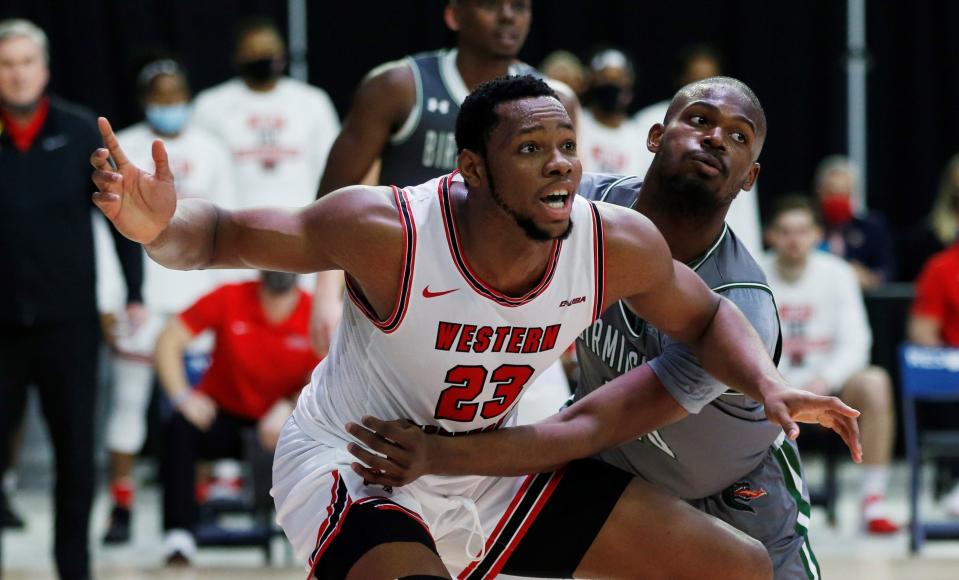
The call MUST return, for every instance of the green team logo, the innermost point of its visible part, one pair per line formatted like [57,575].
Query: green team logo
[739,495]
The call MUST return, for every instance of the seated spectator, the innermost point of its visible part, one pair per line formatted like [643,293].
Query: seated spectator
[934,321]
[939,231]
[862,240]
[202,168]
[608,141]
[563,66]
[261,360]
[826,341]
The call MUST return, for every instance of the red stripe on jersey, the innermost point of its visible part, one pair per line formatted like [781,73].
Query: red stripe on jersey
[401,304]
[599,263]
[471,278]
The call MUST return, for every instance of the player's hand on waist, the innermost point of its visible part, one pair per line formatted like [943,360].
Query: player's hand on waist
[402,452]
[139,204]
[787,407]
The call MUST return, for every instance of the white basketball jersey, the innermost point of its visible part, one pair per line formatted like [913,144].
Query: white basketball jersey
[455,355]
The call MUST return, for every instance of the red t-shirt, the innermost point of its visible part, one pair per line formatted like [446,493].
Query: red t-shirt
[937,293]
[254,362]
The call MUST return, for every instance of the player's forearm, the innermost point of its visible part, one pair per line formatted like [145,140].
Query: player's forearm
[329,287]
[924,331]
[170,367]
[513,451]
[188,241]
[731,351]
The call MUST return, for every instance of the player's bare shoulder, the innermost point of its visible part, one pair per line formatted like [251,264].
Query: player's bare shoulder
[357,210]
[637,256]
[390,88]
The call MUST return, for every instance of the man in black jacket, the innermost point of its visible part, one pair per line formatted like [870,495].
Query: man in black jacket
[49,333]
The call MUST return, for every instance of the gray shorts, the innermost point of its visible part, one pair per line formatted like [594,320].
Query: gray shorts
[771,504]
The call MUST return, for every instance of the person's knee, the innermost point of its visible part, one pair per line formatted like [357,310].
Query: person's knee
[754,562]
[870,388]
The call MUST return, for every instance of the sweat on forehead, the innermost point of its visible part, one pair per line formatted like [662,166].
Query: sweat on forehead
[714,86]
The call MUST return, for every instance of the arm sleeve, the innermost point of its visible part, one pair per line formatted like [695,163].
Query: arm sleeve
[680,371]
[850,352]
[207,312]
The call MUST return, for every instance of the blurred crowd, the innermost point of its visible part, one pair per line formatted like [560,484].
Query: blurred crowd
[228,352]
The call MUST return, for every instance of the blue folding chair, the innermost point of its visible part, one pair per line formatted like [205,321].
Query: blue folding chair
[928,375]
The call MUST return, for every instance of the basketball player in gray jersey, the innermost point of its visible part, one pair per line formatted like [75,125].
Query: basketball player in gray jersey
[404,112]
[708,445]
[725,458]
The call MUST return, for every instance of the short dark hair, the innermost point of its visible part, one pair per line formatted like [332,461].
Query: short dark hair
[792,202]
[477,117]
[253,24]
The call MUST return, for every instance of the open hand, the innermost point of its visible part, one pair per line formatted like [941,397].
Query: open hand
[789,406]
[406,448]
[139,204]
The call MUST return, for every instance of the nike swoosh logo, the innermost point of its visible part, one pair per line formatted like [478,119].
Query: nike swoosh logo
[428,294]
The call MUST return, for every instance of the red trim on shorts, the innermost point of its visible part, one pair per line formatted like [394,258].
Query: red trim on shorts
[323,536]
[512,512]
[388,504]
[530,518]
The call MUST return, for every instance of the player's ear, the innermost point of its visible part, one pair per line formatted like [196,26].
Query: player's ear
[451,18]
[751,177]
[472,167]
[655,137]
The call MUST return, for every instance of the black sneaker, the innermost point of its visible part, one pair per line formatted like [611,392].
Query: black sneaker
[119,530]
[9,518]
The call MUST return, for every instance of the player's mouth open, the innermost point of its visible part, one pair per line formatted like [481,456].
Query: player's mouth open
[556,200]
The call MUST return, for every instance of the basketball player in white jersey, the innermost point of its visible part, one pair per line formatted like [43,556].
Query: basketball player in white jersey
[462,290]
[404,114]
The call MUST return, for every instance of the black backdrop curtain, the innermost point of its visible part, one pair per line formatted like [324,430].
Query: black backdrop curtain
[791,53]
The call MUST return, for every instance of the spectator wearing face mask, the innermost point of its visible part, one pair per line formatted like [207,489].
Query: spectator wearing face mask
[202,168]
[860,238]
[608,141]
[261,359]
[279,130]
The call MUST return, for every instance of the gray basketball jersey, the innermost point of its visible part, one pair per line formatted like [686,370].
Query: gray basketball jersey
[425,146]
[726,434]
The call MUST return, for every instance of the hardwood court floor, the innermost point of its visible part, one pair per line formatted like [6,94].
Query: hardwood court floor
[843,552]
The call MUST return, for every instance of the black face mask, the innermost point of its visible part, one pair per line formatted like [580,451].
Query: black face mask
[607,98]
[260,71]
[277,282]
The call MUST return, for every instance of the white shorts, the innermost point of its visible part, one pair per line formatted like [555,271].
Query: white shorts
[465,515]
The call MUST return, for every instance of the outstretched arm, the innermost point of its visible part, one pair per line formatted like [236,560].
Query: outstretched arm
[356,229]
[674,299]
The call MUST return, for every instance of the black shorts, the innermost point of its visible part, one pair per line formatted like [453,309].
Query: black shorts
[546,539]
